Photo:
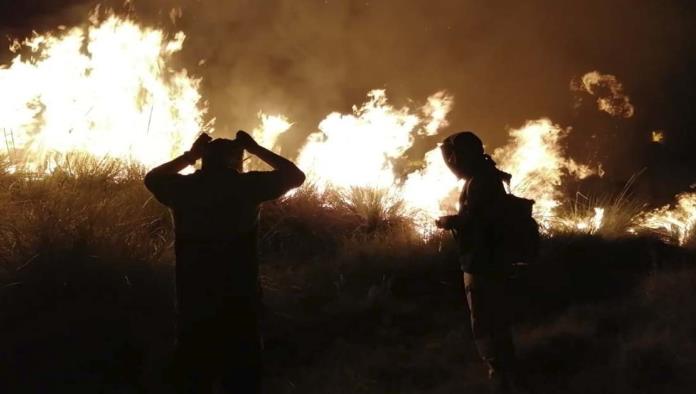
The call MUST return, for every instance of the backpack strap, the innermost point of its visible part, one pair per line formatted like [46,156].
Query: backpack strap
[506,178]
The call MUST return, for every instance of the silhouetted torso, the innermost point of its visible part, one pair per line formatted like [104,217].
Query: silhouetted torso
[216,219]
[480,205]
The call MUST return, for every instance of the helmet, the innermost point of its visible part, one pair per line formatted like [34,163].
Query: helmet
[464,143]
[461,152]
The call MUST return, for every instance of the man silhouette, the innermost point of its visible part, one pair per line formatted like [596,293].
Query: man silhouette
[484,263]
[216,212]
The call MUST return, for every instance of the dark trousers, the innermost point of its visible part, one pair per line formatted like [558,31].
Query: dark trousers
[490,323]
[219,350]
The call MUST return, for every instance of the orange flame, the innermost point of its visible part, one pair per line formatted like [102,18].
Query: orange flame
[678,220]
[108,90]
[536,159]
[104,89]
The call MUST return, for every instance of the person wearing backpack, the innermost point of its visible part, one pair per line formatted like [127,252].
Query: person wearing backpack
[481,229]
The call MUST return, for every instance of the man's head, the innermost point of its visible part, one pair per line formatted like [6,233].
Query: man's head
[223,154]
[462,152]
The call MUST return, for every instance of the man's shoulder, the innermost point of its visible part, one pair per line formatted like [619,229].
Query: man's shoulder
[486,183]
[487,178]
[190,178]
[251,174]
[257,176]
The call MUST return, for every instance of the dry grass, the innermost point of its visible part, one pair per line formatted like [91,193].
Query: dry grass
[619,215]
[98,207]
[357,301]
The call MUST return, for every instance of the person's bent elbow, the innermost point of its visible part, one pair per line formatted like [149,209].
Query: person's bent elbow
[297,178]
[150,180]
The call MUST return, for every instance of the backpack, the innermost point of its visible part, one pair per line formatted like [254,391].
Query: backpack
[519,231]
[515,230]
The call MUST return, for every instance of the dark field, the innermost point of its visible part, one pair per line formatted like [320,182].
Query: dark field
[356,301]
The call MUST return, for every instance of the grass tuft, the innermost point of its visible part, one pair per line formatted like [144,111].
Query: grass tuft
[357,300]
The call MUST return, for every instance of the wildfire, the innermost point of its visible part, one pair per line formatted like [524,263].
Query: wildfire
[105,89]
[589,224]
[272,126]
[267,134]
[535,157]
[678,221]
[434,180]
[108,89]
[359,149]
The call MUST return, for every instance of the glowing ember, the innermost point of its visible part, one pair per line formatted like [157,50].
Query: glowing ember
[597,219]
[105,89]
[589,225]
[658,136]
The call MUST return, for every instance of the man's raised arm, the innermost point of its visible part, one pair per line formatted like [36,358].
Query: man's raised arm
[292,176]
[159,179]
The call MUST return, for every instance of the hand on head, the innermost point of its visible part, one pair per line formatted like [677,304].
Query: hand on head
[245,140]
[202,144]
[446,222]
[198,148]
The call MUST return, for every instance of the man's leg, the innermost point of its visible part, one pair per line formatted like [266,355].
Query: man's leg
[242,373]
[242,380]
[241,363]
[490,326]
[194,382]
[192,373]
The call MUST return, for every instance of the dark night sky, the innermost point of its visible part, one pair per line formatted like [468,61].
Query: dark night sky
[504,62]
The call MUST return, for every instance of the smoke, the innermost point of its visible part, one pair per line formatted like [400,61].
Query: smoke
[305,62]
[504,63]
[609,92]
